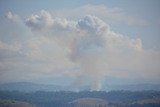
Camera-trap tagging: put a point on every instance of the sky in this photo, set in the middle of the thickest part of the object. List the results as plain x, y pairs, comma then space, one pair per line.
80, 42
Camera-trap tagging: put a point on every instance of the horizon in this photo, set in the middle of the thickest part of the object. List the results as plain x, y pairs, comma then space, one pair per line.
31, 87
80, 43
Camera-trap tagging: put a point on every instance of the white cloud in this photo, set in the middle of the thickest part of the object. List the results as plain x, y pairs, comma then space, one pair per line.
92, 24
56, 45
44, 19
12, 17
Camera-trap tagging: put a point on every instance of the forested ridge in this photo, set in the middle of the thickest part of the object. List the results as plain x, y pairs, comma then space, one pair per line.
63, 98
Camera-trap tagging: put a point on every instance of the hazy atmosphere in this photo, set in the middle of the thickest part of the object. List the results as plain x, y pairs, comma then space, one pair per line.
80, 42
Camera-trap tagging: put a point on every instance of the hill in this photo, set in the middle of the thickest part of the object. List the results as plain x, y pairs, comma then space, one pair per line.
89, 98
12, 103
89, 102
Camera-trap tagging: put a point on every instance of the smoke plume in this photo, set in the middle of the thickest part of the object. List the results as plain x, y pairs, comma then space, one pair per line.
89, 43
89, 51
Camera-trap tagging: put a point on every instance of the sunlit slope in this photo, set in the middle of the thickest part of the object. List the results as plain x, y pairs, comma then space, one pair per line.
9, 103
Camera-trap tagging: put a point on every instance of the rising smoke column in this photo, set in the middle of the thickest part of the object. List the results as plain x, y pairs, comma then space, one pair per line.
89, 51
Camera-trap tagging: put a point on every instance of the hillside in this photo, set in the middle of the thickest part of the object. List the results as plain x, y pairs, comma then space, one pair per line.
89, 102
12, 103
83, 98
147, 101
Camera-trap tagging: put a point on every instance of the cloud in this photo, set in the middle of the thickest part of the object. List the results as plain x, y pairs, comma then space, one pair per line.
53, 46
12, 17
92, 24
111, 15
44, 20
28, 55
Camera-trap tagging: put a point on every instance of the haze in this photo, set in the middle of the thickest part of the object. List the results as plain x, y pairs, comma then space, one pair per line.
80, 43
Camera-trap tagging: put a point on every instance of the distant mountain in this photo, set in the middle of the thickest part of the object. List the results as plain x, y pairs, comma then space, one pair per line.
133, 87
32, 87
29, 87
